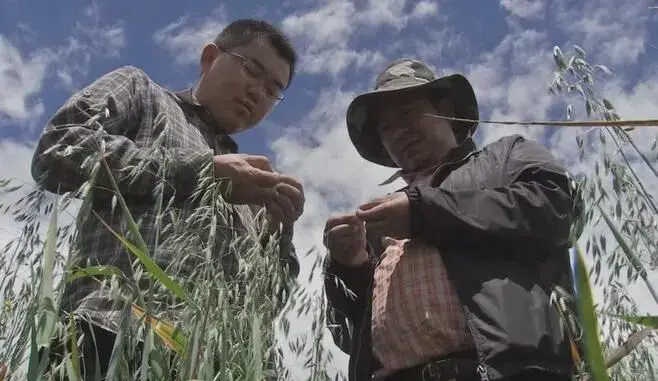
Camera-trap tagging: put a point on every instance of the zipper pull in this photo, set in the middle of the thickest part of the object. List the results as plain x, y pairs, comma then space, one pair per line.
482, 371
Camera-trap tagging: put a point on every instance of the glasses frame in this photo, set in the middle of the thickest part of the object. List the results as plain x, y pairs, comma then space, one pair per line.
261, 77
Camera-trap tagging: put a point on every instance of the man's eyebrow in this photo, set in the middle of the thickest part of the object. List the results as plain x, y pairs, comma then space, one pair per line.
262, 67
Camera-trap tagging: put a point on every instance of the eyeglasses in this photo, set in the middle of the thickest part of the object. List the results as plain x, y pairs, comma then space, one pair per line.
254, 71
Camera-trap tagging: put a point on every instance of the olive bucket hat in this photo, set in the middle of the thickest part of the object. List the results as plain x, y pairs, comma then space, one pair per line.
404, 75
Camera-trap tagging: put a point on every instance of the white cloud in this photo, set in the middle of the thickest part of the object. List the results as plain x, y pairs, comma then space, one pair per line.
328, 25
22, 74
21, 80
511, 84
617, 33
526, 9
424, 9
185, 38
335, 60
326, 33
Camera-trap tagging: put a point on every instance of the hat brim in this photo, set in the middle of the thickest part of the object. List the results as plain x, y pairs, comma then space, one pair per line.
362, 128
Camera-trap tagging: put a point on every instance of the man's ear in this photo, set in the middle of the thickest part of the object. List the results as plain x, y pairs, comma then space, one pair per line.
209, 54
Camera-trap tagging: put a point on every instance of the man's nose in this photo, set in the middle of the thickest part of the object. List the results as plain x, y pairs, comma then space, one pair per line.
255, 93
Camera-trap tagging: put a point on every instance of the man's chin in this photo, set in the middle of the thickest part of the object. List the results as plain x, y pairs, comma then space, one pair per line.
233, 124
238, 126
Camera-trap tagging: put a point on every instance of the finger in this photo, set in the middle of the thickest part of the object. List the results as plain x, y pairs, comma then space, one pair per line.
286, 205
263, 178
295, 195
275, 210
262, 195
349, 219
260, 162
373, 203
292, 182
339, 233
375, 213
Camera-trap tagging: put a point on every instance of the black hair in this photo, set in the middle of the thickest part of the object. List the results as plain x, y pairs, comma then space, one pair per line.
244, 31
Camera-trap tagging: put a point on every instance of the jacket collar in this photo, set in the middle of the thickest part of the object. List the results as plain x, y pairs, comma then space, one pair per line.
187, 97
454, 155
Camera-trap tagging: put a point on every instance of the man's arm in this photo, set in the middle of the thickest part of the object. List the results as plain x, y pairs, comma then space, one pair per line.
346, 289
63, 158
536, 204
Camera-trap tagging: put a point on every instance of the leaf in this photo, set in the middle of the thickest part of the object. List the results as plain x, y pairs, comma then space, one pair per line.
588, 108
559, 57
604, 69
47, 322
46, 313
49, 257
73, 361
608, 105
33, 365
107, 271
150, 265
172, 337
585, 302
580, 51
569, 112
256, 349
647, 321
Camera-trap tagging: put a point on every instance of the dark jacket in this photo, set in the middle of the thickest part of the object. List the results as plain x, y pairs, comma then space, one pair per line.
501, 216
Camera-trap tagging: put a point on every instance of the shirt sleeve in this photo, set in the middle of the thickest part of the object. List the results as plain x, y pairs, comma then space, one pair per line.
98, 122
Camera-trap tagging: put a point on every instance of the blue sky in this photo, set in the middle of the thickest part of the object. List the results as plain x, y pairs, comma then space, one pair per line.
50, 50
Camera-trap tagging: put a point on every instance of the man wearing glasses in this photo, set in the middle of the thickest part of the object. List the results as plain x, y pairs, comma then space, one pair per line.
149, 133
450, 276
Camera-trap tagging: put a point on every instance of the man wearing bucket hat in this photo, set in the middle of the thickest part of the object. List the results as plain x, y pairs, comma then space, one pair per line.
450, 277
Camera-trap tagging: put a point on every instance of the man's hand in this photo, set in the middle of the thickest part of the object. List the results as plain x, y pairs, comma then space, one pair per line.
251, 180
345, 237
287, 205
387, 216
248, 179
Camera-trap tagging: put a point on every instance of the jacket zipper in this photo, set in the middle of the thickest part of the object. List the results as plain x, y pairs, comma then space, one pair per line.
481, 369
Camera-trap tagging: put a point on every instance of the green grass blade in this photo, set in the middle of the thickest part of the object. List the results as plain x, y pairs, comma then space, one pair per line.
47, 317
256, 349
593, 351
106, 271
46, 324
132, 225
150, 265
50, 245
33, 365
647, 321
73, 359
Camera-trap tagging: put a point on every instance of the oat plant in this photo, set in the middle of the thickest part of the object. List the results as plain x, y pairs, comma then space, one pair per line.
620, 224
203, 300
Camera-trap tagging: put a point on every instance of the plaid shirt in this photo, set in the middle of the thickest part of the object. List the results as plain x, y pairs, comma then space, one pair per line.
416, 314
155, 141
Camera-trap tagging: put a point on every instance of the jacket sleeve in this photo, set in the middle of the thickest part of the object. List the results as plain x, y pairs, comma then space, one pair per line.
73, 141
346, 289
288, 254
534, 203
